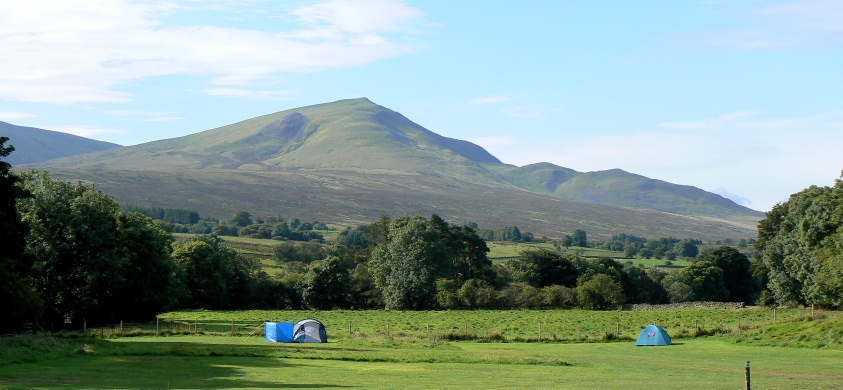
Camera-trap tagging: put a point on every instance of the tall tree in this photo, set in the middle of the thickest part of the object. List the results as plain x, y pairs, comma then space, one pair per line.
737, 276
405, 267
92, 261
799, 243
327, 285
579, 238
19, 302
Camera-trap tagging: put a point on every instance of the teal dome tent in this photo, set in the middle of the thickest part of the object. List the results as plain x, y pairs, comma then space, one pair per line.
653, 335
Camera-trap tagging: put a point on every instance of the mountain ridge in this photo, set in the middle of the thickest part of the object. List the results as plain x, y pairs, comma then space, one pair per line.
363, 141
34, 145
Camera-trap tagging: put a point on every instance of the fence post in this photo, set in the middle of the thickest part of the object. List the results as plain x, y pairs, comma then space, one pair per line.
232, 326
579, 327
618, 330
775, 319
156, 326
195, 326
540, 332
428, 330
121, 326
349, 329
387, 329
747, 376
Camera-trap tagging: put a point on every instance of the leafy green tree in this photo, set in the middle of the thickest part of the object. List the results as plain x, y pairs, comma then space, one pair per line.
579, 238
242, 218
92, 261
407, 265
704, 282
737, 275
686, 248
19, 302
215, 275
599, 292
446, 293
541, 267
327, 285
798, 242
567, 241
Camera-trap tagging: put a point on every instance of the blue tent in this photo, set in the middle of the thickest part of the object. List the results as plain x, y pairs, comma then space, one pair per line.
653, 335
279, 332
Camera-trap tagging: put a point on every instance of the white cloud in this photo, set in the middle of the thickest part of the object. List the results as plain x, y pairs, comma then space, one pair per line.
82, 130
71, 51
248, 93
711, 123
813, 24
14, 115
489, 99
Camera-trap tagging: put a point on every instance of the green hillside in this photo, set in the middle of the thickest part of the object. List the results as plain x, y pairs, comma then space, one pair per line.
348, 161
619, 188
33, 145
348, 135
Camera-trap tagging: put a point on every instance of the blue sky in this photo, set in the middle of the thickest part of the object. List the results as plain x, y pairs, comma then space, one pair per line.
741, 96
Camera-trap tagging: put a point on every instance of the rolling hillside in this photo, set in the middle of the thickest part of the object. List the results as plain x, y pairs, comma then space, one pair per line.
616, 187
33, 145
349, 161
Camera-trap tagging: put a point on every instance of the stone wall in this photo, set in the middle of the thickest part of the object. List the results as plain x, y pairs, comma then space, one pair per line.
686, 305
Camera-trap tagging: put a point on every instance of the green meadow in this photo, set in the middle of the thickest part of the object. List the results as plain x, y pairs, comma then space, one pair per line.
445, 349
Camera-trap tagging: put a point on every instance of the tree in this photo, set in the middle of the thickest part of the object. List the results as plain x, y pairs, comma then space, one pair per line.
798, 242
241, 218
600, 292
215, 275
686, 248
567, 241
406, 266
327, 285
92, 261
541, 267
704, 282
19, 302
579, 238
737, 276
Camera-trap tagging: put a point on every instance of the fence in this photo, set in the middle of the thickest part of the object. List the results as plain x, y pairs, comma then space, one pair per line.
510, 325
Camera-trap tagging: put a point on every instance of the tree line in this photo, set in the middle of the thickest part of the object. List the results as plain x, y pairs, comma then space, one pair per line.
70, 254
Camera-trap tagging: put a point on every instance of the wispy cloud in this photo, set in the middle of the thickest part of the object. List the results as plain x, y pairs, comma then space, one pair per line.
82, 130
489, 99
72, 51
14, 115
711, 123
814, 24
248, 93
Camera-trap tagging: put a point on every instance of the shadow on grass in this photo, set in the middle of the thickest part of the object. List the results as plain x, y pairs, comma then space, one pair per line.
84, 371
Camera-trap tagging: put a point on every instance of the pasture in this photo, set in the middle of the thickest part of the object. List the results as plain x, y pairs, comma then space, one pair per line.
407, 356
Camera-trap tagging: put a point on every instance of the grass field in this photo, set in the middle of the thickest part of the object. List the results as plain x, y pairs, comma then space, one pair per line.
216, 362
499, 252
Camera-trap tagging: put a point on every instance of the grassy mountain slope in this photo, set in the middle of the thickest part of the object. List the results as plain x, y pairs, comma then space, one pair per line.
348, 161
349, 198
619, 188
33, 145
348, 135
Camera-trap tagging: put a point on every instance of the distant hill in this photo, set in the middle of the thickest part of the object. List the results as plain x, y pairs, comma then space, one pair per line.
620, 188
33, 145
349, 161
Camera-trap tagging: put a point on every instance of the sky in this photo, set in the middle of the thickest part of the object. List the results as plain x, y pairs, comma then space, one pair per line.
744, 98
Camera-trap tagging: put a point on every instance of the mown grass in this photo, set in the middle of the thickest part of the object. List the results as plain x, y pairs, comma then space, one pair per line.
247, 362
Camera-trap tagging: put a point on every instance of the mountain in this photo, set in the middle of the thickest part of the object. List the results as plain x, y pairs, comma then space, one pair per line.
33, 145
347, 162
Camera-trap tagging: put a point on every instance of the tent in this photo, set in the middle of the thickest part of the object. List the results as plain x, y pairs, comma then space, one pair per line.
279, 332
309, 331
653, 335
